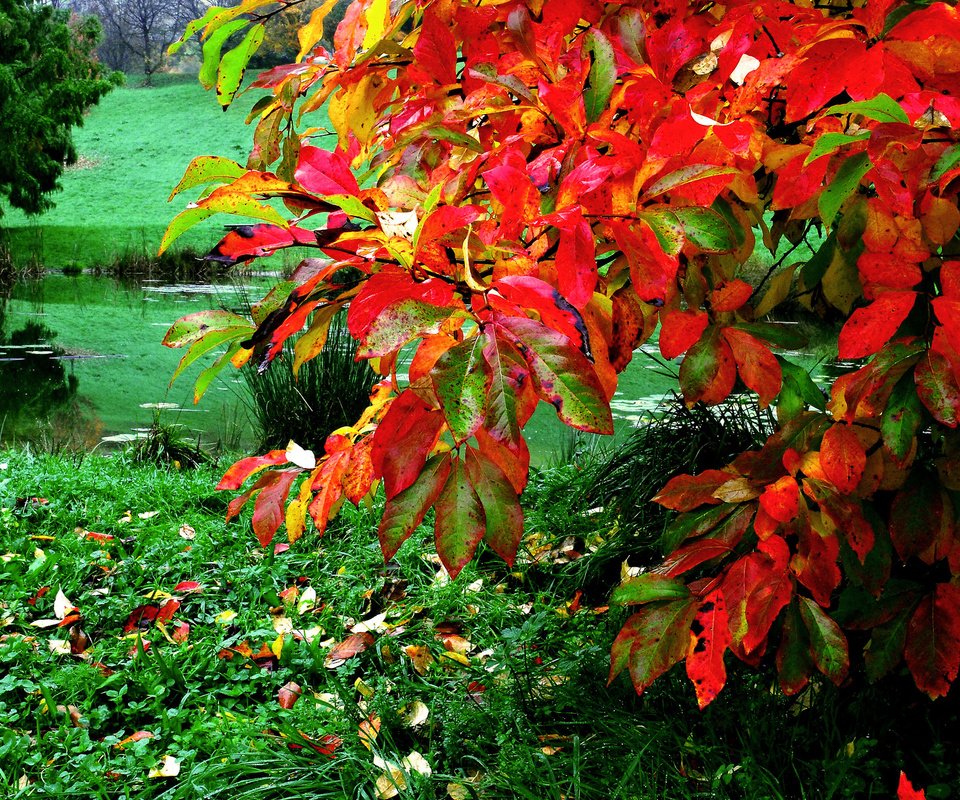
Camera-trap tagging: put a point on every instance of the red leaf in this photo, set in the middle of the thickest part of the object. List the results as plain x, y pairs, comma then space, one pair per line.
842, 457
781, 500
916, 515
730, 295
289, 694
268, 508
687, 492
758, 367
444, 220
526, 293
828, 646
652, 270
757, 587
187, 587
141, 618
386, 288
905, 790
352, 646
235, 476
460, 520
435, 53
693, 555
709, 639
870, 328
501, 506
246, 242
652, 641
815, 562
680, 330
937, 388
405, 510
708, 371
932, 649
403, 440
167, 610
577, 263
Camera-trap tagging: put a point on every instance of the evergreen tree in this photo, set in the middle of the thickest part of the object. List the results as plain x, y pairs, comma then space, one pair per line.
48, 78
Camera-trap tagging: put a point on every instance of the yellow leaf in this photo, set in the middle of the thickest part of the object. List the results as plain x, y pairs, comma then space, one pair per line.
390, 784
360, 686
351, 110
277, 647
378, 15
225, 617
841, 283
460, 658
416, 763
457, 791
414, 714
168, 768
157, 594
777, 291
311, 33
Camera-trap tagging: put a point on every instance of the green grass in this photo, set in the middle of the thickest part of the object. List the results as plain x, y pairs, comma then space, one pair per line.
525, 714
133, 147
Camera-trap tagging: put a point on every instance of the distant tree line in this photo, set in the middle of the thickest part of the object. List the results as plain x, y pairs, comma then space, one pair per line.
137, 33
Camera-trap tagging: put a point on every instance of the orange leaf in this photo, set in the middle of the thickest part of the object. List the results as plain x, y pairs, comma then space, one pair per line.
842, 457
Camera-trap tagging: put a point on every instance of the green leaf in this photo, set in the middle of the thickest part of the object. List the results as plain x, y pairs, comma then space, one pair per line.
814, 270
949, 158
797, 381
399, 323
653, 640
193, 27
828, 645
706, 229
666, 227
209, 342
685, 175
882, 108
501, 506
406, 510
562, 374
831, 142
647, 588
692, 524
350, 205
181, 223
461, 379
460, 520
843, 185
793, 655
901, 418
205, 378
234, 63
885, 648
208, 169
194, 327
603, 74
212, 47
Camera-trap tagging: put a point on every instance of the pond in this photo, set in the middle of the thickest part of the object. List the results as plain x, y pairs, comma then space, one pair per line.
81, 359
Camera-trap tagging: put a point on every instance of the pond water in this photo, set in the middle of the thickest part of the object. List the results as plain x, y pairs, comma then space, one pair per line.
80, 358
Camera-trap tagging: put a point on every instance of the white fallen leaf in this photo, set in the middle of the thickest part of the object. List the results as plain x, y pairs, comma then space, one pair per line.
414, 714
45, 623
307, 600
416, 763
282, 624
390, 784
398, 223
61, 605
187, 531
59, 647
300, 457
373, 625
168, 768
745, 66
147, 514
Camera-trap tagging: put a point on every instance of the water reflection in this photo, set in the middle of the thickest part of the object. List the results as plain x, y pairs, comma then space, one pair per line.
39, 398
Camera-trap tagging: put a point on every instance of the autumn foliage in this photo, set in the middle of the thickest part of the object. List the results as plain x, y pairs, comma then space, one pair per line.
523, 192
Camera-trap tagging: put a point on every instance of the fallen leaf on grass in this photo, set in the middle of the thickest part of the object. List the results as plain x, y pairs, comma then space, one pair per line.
59, 647
187, 532
414, 714
390, 784
188, 587
137, 736
373, 625
225, 617
289, 694
147, 514
353, 645
368, 730
62, 606
168, 768
420, 656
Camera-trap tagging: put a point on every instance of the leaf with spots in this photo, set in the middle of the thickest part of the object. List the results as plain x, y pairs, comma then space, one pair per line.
709, 640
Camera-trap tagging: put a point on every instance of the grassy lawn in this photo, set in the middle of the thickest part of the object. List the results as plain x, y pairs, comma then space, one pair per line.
134, 147
171, 675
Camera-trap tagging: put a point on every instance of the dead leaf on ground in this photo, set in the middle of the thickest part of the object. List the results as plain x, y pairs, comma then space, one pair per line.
420, 656
137, 736
168, 768
353, 645
289, 694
